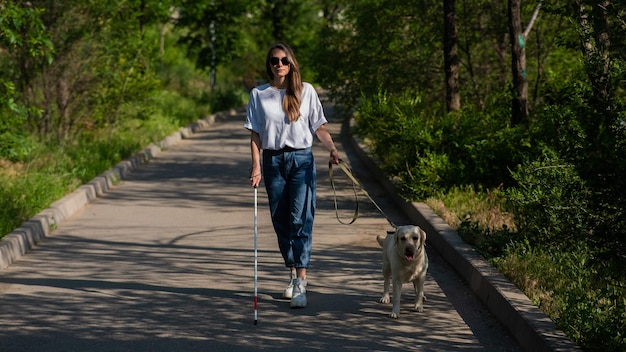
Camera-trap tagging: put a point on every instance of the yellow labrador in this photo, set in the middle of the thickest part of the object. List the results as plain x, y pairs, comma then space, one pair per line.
404, 260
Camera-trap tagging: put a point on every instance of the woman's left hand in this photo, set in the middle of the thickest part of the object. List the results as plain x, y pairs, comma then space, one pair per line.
334, 156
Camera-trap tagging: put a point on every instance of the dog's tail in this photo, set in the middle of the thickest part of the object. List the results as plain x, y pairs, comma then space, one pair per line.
380, 239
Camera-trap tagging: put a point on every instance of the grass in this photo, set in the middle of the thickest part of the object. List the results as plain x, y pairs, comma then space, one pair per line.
460, 205
567, 284
25, 192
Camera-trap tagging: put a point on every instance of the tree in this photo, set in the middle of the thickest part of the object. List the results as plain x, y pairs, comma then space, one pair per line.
101, 60
519, 108
392, 46
595, 45
599, 24
282, 14
25, 47
451, 59
213, 29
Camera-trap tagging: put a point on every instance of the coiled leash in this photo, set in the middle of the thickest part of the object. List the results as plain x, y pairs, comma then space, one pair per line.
355, 185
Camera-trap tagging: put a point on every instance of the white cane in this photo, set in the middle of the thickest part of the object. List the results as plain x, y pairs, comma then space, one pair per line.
256, 299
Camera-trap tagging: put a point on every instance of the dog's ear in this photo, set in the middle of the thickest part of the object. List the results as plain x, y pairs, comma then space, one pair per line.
381, 240
422, 234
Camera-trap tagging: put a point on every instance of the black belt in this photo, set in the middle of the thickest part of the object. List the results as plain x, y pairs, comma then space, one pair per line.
284, 150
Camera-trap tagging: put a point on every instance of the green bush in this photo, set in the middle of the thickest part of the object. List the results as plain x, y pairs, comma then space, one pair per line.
593, 142
402, 139
15, 144
428, 152
550, 201
227, 98
584, 287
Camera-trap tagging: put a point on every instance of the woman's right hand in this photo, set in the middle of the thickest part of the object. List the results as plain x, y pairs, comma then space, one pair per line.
255, 177
255, 169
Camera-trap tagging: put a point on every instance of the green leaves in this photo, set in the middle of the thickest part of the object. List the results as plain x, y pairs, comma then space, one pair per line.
428, 152
21, 29
23, 42
551, 201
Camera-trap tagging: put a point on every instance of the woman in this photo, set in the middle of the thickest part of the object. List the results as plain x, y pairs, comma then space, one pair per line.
282, 116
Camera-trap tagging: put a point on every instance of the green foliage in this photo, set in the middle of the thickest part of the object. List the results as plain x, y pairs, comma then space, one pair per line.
592, 143
108, 102
22, 32
28, 187
224, 99
569, 203
490, 242
14, 144
480, 217
372, 44
551, 201
427, 152
27, 195
391, 123
234, 36
24, 43
567, 280
100, 65
564, 282
55, 171
212, 30
177, 109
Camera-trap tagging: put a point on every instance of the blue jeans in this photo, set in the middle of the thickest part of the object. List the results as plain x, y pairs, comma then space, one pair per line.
290, 184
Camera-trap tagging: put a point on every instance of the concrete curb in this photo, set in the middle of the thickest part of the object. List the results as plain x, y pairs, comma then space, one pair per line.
531, 328
21, 240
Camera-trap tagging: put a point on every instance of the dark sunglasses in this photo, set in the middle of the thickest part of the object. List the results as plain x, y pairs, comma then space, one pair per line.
274, 61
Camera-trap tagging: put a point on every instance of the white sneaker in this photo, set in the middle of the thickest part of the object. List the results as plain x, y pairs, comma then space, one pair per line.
298, 299
288, 292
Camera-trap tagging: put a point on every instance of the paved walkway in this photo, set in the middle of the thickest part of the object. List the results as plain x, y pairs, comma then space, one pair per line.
164, 262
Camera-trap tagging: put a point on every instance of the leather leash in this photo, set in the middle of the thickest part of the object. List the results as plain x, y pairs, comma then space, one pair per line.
355, 184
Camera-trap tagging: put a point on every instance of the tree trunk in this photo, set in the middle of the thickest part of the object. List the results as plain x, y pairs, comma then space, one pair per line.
595, 43
279, 11
518, 65
451, 59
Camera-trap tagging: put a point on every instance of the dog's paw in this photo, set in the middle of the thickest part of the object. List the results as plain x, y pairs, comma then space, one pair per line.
384, 299
419, 304
394, 314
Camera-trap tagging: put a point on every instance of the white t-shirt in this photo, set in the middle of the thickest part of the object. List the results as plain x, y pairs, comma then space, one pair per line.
266, 116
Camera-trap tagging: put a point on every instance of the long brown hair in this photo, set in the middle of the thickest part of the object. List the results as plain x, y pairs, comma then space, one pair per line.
293, 92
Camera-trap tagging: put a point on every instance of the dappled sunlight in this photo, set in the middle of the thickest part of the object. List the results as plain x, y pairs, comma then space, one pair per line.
164, 261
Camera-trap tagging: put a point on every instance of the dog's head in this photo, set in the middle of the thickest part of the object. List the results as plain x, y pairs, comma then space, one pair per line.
410, 241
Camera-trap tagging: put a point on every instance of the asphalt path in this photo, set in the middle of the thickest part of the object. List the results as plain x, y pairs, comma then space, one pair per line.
164, 262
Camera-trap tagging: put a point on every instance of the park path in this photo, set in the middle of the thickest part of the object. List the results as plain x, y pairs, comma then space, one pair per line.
164, 262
